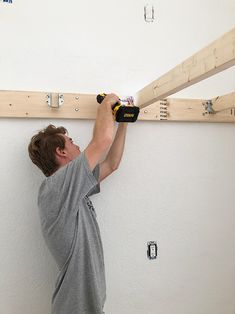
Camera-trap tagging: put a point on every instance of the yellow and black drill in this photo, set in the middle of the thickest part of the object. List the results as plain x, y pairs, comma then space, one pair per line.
124, 110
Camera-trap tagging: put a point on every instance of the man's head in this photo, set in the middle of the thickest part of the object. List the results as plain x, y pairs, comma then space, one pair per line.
51, 149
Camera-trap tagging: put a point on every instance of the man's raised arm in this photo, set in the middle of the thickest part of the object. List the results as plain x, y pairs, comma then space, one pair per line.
115, 153
103, 131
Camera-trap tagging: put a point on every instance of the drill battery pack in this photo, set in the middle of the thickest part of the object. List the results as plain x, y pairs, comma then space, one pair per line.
127, 113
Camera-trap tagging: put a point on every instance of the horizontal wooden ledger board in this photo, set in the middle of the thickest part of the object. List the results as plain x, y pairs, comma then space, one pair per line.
18, 104
192, 110
36, 105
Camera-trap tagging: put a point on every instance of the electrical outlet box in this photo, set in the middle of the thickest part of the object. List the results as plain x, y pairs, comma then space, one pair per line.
152, 250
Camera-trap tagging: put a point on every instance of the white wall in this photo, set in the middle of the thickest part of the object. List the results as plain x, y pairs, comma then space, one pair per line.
176, 182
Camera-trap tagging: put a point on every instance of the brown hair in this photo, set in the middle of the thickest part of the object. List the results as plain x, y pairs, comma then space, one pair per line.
42, 148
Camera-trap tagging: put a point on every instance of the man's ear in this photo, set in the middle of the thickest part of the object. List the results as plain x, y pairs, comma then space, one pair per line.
60, 152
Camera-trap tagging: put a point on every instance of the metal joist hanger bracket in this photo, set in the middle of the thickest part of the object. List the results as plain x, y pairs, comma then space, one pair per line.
208, 107
59, 103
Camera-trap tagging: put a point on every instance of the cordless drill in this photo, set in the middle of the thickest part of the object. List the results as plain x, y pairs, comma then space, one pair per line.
124, 110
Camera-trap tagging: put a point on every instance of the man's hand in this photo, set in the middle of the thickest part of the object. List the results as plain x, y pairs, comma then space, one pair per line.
110, 100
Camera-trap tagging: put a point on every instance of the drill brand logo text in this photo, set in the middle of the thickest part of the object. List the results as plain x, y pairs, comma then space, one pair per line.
128, 115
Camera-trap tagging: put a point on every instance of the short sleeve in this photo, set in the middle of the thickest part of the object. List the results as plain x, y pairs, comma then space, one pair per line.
96, 188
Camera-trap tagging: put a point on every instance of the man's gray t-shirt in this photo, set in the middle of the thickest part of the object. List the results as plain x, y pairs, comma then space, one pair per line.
71, 232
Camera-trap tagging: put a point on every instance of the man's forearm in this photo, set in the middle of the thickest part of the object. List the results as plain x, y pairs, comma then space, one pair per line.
115, 153
104, 125
103, 131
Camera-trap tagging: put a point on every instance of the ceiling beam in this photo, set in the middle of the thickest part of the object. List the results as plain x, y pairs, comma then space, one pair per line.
213, 59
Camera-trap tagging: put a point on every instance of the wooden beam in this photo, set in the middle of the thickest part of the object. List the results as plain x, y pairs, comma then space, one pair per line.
213, 59
16, 104
225, 103
191, 110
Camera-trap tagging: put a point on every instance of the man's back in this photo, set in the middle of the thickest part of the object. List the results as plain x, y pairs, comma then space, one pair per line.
70, 229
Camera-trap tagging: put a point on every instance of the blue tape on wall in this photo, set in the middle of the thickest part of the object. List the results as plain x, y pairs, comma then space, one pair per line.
9, 1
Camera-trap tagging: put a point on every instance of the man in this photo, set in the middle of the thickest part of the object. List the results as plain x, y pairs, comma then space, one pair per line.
68, 218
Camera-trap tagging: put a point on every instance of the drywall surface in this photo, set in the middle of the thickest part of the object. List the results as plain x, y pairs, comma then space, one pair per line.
175, 184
